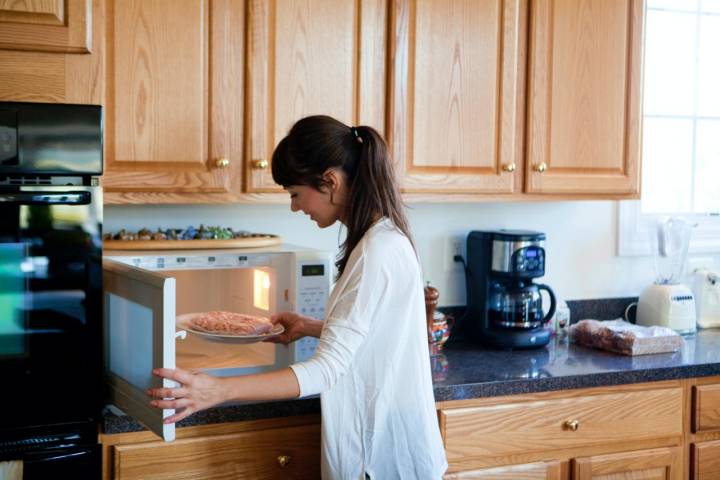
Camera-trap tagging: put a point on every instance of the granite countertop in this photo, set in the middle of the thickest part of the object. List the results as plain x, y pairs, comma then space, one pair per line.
465, 371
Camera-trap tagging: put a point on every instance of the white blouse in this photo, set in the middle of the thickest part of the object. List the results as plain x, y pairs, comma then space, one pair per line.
372, 367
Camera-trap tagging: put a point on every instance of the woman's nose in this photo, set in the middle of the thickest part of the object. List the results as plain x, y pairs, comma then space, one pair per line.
293, 207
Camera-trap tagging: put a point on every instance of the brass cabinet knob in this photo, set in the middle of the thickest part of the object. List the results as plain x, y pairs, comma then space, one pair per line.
509, 167
572, 425
222, 162
284, 460
260, 164
541, 167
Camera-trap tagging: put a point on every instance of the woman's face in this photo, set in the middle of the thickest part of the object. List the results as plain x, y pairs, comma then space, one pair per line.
316, 204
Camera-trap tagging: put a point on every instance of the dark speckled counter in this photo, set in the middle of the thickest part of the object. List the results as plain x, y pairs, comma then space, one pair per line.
464, 372
471, 372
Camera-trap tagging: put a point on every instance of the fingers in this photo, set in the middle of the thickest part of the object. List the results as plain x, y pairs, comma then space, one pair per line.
181, 376
167, 392
284, 318
179, 415
177, 403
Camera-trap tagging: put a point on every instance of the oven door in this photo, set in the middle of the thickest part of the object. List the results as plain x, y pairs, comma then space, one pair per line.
50, 310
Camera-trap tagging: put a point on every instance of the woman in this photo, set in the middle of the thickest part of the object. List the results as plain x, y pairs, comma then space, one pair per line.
371, 365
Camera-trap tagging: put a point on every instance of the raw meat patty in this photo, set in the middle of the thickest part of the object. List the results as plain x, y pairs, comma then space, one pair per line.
229, 323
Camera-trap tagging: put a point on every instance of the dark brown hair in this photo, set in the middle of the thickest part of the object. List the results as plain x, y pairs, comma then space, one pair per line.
318, 143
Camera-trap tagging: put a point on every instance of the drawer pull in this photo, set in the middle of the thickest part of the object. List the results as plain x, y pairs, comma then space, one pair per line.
572, 425
284, 460
222, 162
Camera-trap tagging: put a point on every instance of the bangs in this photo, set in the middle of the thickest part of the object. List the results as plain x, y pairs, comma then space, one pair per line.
283, 172
289, 168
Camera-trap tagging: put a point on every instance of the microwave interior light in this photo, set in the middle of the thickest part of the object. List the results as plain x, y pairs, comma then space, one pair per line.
261, 289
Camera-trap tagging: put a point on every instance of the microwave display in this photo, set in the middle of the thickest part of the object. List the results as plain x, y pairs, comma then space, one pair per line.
313, 270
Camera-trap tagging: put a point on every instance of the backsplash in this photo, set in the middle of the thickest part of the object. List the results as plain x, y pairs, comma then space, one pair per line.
580, 245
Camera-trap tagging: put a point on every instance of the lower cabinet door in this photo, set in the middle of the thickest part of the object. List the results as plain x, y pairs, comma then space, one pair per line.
706, 461
656, 464
529, 471
279, 453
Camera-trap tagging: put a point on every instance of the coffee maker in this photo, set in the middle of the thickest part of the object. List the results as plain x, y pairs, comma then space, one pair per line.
504, 305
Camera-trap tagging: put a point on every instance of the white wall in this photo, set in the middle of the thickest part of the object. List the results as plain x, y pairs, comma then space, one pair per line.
580, 246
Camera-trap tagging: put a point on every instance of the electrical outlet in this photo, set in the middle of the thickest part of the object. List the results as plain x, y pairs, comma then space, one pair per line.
453, 247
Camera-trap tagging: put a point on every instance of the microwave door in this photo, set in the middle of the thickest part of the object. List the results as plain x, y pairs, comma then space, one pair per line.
139, 320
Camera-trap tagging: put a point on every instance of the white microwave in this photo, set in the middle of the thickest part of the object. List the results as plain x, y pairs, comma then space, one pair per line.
144, 293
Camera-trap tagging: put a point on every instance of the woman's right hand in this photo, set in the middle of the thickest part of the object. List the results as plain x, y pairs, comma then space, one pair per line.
294, 327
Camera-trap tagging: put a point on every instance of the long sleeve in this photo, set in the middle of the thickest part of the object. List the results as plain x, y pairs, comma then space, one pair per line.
346, 326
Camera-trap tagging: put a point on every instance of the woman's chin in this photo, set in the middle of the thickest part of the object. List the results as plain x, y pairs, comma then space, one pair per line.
324, 223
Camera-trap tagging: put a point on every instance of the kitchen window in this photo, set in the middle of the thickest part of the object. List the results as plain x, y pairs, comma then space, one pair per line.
681, 125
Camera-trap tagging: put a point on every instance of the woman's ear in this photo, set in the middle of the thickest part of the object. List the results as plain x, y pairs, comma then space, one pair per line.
332, 179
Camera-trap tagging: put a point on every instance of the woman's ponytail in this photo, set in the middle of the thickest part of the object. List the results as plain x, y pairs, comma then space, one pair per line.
374, 193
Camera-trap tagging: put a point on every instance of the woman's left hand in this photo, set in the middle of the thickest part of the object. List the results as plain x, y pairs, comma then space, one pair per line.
197, 391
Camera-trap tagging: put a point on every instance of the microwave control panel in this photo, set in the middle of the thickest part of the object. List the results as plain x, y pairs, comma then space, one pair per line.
312, 294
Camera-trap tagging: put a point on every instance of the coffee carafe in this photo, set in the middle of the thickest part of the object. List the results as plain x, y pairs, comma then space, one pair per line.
505, 307
518, 304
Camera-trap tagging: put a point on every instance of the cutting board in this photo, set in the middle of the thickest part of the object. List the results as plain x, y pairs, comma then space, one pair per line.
245, 242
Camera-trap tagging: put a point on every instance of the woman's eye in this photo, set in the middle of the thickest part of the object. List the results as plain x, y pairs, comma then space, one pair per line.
293, 195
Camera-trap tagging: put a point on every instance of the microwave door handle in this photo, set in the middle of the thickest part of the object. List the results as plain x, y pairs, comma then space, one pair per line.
46, 198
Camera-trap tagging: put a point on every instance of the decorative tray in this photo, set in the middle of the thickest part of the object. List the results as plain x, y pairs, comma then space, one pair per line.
188, 238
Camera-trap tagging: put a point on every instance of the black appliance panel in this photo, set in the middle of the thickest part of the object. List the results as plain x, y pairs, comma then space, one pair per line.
50, 309
50, 139
67, 451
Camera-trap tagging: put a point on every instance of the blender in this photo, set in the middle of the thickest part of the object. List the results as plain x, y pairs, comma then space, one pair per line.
667, 302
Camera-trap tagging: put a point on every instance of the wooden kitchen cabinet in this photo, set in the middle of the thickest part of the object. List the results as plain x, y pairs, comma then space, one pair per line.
265, 449
459, 86
631, 431
52, 51
706, 461
457, 89
310, 57
174, 104
532, 471
584, 97
656, 464
63, 26
200, 92
706, 408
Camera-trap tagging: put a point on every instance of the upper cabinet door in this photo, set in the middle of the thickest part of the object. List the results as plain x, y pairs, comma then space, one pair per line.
310, 57
63, 26
174, 97
458, 95
584, 105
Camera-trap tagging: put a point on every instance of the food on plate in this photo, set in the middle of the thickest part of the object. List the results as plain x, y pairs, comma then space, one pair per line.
230, 323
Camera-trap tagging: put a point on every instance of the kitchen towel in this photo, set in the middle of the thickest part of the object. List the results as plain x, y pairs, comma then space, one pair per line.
12, 470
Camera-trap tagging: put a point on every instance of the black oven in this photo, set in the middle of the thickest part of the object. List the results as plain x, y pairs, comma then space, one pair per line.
50, 288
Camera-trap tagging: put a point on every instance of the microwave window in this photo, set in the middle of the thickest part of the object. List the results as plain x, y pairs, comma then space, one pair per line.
313, 270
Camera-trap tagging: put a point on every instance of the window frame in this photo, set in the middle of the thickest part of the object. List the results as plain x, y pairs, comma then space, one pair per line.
634, 230
634, 226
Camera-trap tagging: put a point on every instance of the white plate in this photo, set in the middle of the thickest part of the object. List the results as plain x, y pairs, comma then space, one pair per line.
183, 322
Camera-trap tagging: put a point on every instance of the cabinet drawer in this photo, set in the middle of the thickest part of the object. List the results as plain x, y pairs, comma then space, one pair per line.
706, 411
706, 461
546, 425
257, 454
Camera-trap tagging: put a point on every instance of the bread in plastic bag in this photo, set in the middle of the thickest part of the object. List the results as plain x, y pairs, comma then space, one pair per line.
626, 338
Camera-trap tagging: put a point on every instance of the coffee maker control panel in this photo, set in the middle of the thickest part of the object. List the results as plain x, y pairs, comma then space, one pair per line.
529, 260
